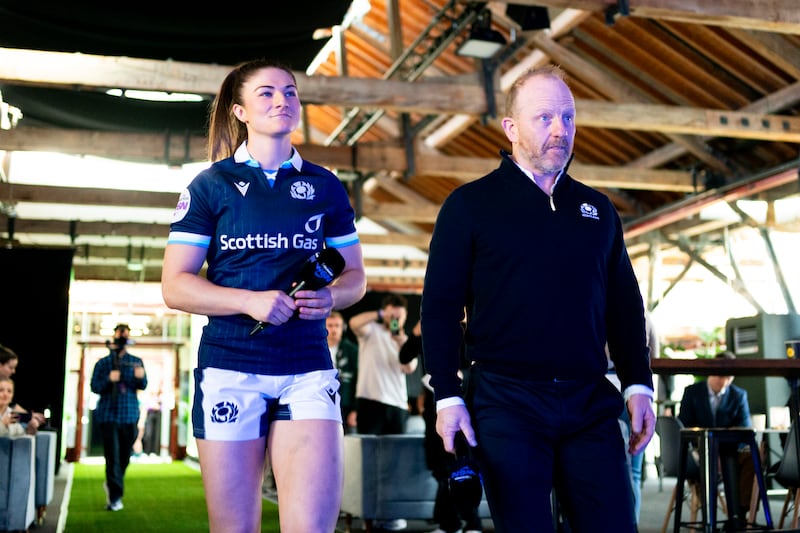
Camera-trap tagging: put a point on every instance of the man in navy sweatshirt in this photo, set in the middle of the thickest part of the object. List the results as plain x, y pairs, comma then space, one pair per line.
538, 262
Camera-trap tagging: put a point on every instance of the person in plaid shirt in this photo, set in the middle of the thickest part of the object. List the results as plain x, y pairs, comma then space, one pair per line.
116, 378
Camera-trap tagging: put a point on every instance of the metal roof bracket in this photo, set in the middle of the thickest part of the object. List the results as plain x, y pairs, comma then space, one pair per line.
408, 144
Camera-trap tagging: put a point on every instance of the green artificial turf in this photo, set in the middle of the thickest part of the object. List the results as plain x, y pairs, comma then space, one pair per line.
158, 497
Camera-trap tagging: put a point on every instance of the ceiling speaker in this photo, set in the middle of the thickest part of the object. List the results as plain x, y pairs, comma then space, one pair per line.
529, 17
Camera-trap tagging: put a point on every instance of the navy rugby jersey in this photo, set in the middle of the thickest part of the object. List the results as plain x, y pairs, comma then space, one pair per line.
257, 237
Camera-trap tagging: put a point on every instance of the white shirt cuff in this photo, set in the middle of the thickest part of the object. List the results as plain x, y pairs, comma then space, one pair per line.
449, 402
638, 389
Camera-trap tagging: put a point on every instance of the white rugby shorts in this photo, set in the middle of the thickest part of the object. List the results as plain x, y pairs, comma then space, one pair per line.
235, 406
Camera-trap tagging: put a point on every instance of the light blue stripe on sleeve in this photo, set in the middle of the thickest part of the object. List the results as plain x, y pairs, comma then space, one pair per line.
341, 242
182, 237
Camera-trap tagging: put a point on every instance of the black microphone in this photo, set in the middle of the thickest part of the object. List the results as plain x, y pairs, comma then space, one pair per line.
318, 271
465, 483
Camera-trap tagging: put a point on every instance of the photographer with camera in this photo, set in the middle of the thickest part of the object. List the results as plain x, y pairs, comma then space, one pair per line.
116, 378
381, 390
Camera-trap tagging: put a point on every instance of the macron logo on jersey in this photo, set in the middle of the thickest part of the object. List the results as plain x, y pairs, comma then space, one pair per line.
242, 186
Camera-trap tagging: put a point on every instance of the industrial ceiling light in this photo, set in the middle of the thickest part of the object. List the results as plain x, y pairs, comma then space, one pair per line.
483, 42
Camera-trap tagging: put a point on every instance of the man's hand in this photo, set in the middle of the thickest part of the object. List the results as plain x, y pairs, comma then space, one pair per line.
450, 421
138, 372
114, 376
643, 422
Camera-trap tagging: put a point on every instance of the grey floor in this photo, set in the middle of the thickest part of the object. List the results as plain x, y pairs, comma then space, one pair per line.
55, 517
655, 501
654, 506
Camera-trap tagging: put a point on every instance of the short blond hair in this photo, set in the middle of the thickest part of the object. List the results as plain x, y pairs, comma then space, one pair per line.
547, 71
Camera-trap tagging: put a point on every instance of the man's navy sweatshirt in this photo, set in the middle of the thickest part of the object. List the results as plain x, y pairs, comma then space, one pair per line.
545, 282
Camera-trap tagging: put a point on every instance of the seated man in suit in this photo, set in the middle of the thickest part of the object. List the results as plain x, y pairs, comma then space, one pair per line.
716, 402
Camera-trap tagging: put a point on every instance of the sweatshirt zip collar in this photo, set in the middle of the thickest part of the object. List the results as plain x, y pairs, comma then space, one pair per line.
530, 175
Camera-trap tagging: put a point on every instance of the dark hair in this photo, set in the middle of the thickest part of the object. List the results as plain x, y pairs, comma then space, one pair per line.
6, 355
225, 131
395, 300
727, 354
121, 326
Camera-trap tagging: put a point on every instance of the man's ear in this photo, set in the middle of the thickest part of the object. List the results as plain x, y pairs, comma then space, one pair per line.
510, 129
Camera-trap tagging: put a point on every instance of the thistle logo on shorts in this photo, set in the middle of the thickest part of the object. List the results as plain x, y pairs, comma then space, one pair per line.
589, 211
302, 190
225, 413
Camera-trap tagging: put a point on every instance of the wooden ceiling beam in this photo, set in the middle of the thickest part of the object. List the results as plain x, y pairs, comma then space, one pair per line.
467, 168
470, 168
99, 228
152, 273
781, 99
20, 192
108, 254
86, 71
780, 16
368, 158
439, 96
685, 120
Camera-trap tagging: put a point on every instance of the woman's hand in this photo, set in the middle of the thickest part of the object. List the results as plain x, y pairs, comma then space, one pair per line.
274, 307
314, 305
32, 427
8, 419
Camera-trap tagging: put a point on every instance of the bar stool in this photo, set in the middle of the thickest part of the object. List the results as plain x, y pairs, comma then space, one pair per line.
707, 441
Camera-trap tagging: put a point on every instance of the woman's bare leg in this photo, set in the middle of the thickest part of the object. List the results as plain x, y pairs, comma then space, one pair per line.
307, 461
232, 473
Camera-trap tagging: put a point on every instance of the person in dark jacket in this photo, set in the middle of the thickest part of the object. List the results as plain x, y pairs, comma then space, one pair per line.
344, 355
538, 261
717, 403
116, 378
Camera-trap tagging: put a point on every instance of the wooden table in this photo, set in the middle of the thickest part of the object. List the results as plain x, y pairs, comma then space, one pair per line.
727, 367
783, 367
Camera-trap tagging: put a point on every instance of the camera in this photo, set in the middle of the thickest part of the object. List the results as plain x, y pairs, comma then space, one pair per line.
394, 326
117, 343
23, 417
